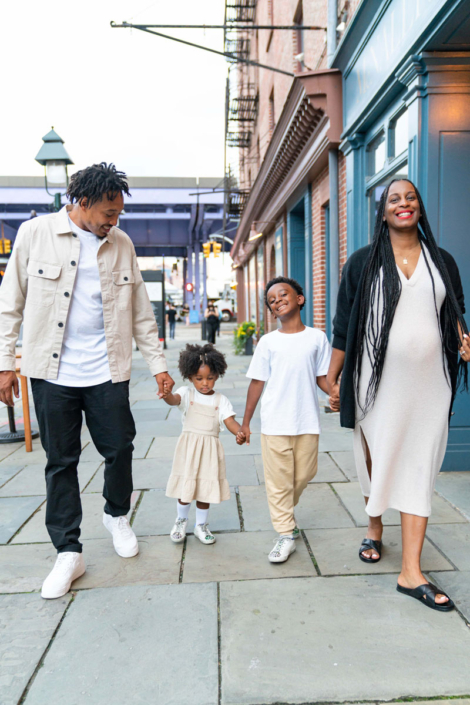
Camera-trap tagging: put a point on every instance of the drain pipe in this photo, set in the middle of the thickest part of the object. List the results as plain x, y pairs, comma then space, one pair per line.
333, 235
331, 30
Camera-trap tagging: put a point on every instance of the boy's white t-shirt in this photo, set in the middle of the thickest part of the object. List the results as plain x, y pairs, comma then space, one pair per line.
290, 364
225, 408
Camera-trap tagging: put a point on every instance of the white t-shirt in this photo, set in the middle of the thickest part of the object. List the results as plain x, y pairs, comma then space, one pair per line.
290, 364
225, 408
84, 355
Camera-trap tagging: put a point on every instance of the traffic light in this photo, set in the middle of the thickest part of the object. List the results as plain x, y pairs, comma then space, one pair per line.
217, 247
5, 247
189, 287
206, 249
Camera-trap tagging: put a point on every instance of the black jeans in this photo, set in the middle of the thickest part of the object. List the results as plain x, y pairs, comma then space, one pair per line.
111, 424
211, 330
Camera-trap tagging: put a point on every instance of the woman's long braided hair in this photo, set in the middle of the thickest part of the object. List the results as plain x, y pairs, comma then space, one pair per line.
380, 293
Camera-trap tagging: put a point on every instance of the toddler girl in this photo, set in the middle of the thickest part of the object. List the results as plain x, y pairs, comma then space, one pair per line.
198, 471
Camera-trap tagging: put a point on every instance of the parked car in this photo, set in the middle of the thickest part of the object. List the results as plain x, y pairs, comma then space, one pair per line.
227, 308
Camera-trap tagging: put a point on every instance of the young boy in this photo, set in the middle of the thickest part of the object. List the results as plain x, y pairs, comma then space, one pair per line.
292, 360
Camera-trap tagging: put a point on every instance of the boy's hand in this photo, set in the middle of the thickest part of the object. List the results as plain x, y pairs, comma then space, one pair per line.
241, 438
245, 431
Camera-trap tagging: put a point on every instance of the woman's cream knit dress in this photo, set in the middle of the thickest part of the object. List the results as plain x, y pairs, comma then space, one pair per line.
406, 429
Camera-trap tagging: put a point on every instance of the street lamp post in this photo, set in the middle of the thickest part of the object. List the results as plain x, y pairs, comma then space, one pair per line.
54, 158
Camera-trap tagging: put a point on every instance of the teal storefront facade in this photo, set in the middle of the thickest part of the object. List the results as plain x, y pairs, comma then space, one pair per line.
406, 112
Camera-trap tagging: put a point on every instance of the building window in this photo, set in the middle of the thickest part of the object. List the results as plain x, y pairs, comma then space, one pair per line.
271, 113
376, 155
399, 135
299, 39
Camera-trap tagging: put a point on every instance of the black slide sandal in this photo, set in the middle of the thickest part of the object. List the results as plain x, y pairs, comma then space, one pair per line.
427, 595
368, 544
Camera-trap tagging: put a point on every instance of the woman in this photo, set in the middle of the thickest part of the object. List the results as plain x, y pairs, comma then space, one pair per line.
212, 323
397, 332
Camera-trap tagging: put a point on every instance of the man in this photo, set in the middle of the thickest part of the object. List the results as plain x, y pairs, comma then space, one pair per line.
74, 281
171, 320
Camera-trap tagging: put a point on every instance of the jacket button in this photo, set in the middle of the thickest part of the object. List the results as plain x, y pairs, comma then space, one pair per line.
40, 271
66, 293
55, 355
126, 279
61, 325
73, 263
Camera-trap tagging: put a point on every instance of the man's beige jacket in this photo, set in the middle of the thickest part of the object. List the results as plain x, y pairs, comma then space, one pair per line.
37, 290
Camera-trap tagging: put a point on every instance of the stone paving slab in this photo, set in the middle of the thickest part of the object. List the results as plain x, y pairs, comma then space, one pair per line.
336, 552
352, 497
241, 470
231, 447
163, 448
242, 556
21, 456
147, 474
334, 441
156, 414
457, 585
31, 480
14, 512
318, 508
157, 563
159, 429
24, 568
9, 471
91, 527
156, 515
8, 449
273, 651
27, 624
454, 541
455, 487
124, 649
345, 460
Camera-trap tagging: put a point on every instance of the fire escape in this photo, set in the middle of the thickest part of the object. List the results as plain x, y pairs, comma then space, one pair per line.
241, 108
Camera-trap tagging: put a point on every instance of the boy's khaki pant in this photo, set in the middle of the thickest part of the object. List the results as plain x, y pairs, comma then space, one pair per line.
290, 462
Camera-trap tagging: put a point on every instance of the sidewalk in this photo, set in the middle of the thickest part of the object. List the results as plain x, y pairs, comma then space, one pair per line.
208, 625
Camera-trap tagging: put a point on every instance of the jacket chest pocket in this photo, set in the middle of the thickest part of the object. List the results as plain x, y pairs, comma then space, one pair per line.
123, 282
43, 280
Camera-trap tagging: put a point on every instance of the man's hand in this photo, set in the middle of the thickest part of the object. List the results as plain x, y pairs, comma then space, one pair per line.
8, 381
245, 433
165, 384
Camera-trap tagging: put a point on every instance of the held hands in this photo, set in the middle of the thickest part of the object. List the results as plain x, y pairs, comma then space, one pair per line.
465, 348
243, 435
334, 397
165, 385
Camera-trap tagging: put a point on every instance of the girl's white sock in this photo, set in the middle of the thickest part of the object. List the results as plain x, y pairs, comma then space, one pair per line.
182, 510
201, 516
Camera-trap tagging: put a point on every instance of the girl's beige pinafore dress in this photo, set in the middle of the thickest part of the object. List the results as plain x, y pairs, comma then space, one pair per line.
198, 471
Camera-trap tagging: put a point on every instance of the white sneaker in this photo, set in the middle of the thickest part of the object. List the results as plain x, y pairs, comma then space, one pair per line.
68, 567
178, 532
202, 532
284, 546
124, 539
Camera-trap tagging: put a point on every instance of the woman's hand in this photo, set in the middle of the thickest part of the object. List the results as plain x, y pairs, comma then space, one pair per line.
465, 349
334, 396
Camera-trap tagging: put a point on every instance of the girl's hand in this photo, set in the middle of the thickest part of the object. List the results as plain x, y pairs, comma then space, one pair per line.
465, 349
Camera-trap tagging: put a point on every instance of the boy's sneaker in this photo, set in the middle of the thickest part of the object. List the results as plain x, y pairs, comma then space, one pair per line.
68, 567
284, 546
124, 539
178, 532
296, 532
202, 532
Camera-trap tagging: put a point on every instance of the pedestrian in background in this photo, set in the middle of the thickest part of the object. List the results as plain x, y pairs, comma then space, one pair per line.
171, 320
73, 280
292, 361
211, 315
198, 471
398, 330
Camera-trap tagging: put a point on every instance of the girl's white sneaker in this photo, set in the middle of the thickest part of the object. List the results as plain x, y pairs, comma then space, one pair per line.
178, 532
202, 532
283, 547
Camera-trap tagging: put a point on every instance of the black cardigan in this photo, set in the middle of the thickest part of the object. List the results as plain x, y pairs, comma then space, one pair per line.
346, 321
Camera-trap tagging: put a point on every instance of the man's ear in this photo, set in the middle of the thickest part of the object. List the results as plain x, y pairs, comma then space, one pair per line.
83, 203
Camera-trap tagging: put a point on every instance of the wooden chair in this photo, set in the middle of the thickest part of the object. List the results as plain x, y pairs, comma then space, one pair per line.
25, 402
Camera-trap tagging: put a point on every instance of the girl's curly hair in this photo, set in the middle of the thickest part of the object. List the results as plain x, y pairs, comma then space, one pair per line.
195, 356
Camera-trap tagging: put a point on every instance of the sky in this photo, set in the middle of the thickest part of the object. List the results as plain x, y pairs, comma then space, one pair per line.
151, 106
